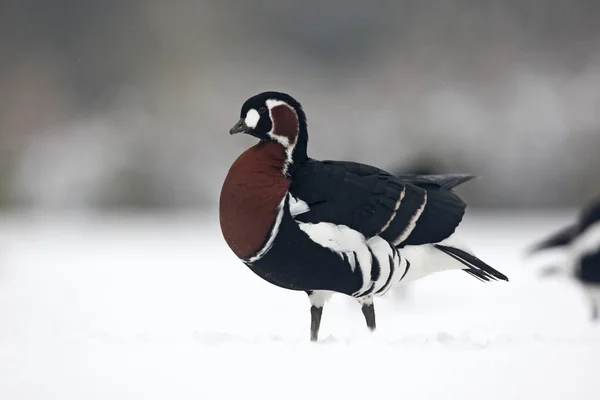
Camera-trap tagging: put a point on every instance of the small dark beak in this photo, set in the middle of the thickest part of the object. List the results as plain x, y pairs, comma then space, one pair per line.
240, 127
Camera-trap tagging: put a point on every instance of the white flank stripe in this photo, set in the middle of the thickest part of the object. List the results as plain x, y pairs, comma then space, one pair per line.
298, 206
343, 241
387, 224
352, 260
274, 232
347, 242
401, 273
382, 251
398, 272
412, 223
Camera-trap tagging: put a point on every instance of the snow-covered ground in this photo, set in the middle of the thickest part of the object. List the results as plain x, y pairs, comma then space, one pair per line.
124, 307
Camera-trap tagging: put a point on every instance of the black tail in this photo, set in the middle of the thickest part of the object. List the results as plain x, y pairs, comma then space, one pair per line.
447, 181
477, 267
560, 238
450, 181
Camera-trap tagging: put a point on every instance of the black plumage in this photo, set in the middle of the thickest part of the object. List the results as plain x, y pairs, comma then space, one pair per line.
588, 217
326, 227
581, 240
372, 201
307, 267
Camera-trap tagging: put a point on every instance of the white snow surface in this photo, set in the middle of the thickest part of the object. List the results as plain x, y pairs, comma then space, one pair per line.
157, 307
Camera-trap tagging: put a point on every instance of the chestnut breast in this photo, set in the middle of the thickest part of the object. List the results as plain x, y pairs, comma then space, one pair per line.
250, 196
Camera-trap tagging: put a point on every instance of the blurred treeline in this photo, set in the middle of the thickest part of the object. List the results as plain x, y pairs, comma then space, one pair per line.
112, 103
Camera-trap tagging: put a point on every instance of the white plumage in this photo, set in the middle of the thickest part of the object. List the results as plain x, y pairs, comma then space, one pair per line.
298, 206
427, 259
343, 241
252, 118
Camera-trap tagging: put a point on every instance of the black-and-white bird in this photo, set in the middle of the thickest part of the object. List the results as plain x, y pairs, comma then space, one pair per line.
580, 242
328, 227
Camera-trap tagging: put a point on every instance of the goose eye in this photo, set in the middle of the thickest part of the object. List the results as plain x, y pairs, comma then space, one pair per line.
262, 110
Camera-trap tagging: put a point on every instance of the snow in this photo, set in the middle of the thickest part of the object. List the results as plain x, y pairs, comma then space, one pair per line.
157, 307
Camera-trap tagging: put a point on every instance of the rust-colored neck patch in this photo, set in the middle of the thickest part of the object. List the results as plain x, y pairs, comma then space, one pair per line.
251, 194
285, 123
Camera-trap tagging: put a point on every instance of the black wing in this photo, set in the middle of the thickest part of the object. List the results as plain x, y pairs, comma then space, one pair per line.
589, 215
560, 238
405, 210
447, 181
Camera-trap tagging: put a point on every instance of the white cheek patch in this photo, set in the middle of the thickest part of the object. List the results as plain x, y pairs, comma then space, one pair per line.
252, 118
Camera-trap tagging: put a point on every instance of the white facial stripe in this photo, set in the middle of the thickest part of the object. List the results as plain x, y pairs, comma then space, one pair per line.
284, 141
252, 118
271, 103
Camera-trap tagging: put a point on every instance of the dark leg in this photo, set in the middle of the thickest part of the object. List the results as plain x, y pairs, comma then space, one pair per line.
315, 322
368, 310
317, 302
592, 293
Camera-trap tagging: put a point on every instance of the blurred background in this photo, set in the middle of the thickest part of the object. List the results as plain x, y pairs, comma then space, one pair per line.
127, 105
117, 113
